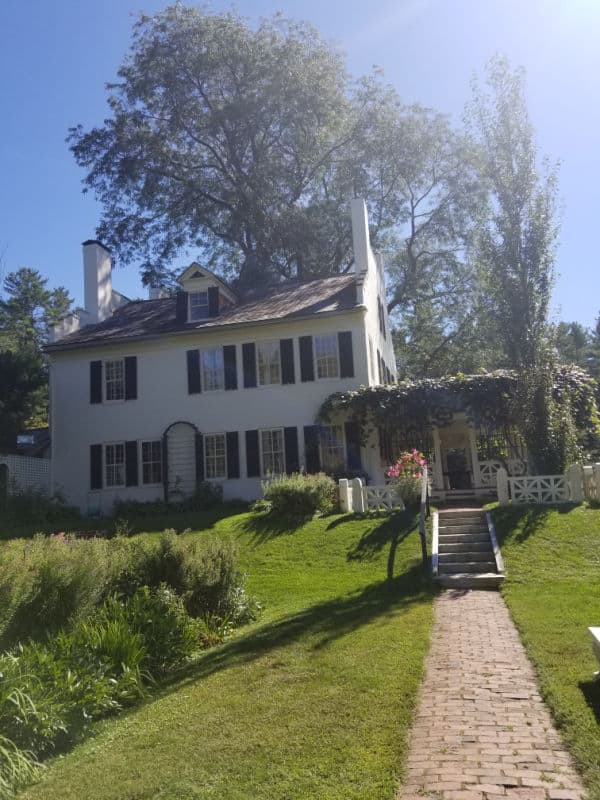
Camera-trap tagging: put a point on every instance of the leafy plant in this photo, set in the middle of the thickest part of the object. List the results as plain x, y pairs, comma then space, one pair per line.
17, 768
406, 474
301, 495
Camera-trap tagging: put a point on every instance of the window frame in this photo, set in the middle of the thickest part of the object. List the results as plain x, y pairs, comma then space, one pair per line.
261, 448
223, 436
341, 466
106, 465
257, 346
203, 382
151, 462
335, 338
191, 306
105, 380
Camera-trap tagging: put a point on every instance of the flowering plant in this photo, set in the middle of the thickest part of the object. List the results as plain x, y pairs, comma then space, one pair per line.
406, 474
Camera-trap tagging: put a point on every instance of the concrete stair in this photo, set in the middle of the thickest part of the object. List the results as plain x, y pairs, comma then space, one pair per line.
466, 557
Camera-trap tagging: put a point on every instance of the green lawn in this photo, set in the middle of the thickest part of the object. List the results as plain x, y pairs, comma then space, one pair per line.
553, 591
314, 700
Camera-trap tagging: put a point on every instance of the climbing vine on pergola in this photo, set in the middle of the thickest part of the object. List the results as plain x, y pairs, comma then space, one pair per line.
490, 401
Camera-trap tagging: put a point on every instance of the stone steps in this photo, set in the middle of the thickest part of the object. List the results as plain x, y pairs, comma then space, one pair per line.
465, 553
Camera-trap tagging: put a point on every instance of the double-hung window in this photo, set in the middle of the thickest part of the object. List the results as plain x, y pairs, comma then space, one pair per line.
152, 462
269, 363
272, 452
114, 465
213, 371
215, 455
327, 356
333, 456
114, 379
198, 305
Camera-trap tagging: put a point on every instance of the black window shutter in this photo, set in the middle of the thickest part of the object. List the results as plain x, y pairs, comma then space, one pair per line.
95, 381
311, 448
213, 301
383, 320
292, 459
199, 458
193, 371
181, 307
346, 355
380, 366
252, 454
286, 354
307, 367
233, 454
352, 430
95, 466
249, 364
230, 362
131, 378
131, 464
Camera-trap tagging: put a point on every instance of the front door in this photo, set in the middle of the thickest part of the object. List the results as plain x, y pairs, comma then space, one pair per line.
458, 470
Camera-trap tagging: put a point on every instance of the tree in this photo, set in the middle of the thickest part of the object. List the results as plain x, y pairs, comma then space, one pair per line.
572, 343
25, 315
515, 244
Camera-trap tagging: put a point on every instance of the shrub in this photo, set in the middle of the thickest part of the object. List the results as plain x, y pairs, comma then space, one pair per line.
35, 505
300, 495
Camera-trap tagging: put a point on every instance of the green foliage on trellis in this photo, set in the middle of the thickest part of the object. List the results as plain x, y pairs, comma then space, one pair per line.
555, 413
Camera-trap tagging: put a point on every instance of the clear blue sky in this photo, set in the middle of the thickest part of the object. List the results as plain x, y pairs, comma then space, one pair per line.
56, 56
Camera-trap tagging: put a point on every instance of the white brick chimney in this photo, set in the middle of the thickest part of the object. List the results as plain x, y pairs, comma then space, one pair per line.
361, 242
97, 281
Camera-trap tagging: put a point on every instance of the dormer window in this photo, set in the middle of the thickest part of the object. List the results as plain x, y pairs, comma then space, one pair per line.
198, 306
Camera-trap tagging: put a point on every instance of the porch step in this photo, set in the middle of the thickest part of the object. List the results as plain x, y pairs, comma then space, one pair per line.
465, 527
456, 538
454, 558
490, 580
464, 547
459, 567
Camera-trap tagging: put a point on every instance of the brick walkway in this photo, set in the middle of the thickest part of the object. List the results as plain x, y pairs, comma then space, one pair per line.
482, 730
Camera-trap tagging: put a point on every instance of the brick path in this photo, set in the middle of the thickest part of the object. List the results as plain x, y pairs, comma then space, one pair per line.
482, 730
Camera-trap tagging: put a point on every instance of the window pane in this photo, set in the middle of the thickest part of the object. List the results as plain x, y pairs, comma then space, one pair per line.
215, 457
326, 356
114, 377
269, 365
198, 305
114, 460
272, 451
152, 462
332, 448
212, 369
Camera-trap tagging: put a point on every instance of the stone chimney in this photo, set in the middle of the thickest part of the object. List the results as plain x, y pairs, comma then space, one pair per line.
97, 280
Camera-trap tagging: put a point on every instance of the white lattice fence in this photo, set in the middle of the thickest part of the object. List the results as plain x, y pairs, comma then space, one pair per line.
539, 489
25, 472
382, 498
488, 471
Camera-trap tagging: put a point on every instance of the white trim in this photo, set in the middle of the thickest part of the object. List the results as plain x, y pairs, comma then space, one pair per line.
218, 348
495, 548
263, 472
140, 454
105, 465
105, 398
435, 523
335, 336
256, 346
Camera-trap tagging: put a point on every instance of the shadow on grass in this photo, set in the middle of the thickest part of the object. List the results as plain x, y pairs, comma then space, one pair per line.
266, 525
591, 692
326, 622
391, 530
526, 520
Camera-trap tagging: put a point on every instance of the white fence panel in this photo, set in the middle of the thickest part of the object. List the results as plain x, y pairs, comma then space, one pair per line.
488, 471
539, 489
26, 472
382, 498
591, 483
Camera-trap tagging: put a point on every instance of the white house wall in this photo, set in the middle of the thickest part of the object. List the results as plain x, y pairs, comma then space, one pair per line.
162, 399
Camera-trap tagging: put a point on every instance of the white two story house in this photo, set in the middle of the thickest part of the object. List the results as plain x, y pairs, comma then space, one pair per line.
149, 398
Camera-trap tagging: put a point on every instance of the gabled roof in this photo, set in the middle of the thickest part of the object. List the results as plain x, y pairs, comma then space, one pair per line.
150, 319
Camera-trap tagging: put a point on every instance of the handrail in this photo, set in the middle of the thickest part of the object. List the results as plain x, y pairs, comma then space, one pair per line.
423, 514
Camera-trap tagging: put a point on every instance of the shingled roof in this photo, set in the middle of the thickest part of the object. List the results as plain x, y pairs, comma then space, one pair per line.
149, 319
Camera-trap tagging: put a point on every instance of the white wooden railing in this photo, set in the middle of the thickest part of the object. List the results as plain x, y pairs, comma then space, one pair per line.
382, 498
591, 483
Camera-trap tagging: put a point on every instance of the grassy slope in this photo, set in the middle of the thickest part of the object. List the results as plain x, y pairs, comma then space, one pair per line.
553, 591
313, 701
